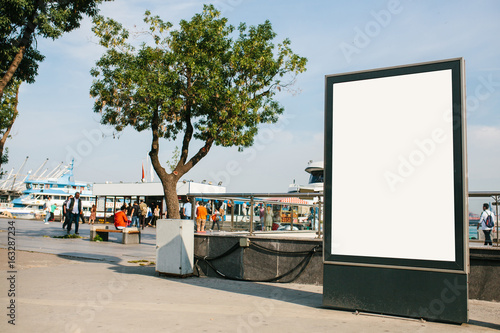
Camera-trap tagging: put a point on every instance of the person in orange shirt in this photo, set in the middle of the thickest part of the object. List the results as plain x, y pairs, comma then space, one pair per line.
121, 220
201, 218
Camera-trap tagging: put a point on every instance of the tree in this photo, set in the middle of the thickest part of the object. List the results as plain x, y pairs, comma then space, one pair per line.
8, 114
202, 81
23, 21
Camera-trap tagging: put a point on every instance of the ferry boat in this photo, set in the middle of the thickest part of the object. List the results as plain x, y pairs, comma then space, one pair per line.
30, 204
316, 179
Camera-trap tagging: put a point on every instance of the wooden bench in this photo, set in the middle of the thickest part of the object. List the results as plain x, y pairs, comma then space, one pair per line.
130, 235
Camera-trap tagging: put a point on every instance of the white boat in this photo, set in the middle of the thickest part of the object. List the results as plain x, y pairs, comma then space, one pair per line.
316, 179
30, 204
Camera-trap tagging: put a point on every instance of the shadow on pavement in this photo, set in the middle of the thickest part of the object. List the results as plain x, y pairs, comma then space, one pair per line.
132, 268
278, 292
484, 324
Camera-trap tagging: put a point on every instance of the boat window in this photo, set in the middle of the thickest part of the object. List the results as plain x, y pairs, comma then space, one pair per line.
316, 177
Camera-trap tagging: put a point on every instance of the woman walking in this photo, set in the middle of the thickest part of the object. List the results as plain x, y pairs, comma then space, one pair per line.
93, 211
156, 216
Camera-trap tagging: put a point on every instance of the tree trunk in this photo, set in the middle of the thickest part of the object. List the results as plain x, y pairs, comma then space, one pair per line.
170, 191
169, 181
24, 42
12, 69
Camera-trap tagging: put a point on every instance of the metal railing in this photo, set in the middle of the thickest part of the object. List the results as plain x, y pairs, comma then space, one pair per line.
235, 218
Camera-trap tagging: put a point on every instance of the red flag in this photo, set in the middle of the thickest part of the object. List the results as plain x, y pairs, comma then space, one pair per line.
142, 172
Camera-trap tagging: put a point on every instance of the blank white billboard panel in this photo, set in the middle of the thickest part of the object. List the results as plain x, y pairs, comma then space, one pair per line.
392, 167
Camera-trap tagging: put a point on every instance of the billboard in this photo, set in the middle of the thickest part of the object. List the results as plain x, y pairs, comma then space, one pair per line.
395, 169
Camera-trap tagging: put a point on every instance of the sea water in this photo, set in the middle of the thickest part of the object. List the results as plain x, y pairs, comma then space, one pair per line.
473, 232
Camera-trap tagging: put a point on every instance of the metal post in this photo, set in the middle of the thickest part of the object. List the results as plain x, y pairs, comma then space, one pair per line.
496, 210
193, 203
320, 222
251, 217
291, 217
232, 214
105, 202
114, 205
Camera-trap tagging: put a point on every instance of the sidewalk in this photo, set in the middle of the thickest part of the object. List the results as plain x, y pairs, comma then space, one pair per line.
82, 286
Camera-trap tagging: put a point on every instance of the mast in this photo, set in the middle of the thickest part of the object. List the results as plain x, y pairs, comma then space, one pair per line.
34, 175
40, 176
14, 181
19, 185
6, 180
54, 171
61, 171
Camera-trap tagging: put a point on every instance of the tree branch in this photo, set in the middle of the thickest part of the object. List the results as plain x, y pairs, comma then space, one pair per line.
196, 158
188, 135
155, 146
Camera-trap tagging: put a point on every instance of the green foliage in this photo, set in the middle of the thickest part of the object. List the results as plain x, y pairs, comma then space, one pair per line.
172, 163
68, 236
97, 238
8, 106
4, 159
21, 22
8, 114
207, 75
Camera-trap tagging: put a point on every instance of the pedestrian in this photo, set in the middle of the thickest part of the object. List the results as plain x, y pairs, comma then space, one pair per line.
215, 219
53, 208
67, 217
156, 216
121, 219
135, 214
208, 206
144, 212
75, 211
222, 213
201, 218
482, 224
262, 213
130, 207
93, 211
268, 219
46, 208
149, 216
182, 213
245, 210
188, 207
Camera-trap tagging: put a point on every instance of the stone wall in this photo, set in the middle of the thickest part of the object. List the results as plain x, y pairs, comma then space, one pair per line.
270, 258
484, 278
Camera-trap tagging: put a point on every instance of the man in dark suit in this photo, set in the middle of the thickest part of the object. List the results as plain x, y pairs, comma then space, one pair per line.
75, 211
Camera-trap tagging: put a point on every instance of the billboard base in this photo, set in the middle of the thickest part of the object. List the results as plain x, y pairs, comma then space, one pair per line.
431, 295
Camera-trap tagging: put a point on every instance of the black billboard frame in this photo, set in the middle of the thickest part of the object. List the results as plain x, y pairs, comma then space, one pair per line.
396, 276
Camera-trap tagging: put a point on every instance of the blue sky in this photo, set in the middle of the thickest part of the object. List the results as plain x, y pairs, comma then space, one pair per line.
56, 119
